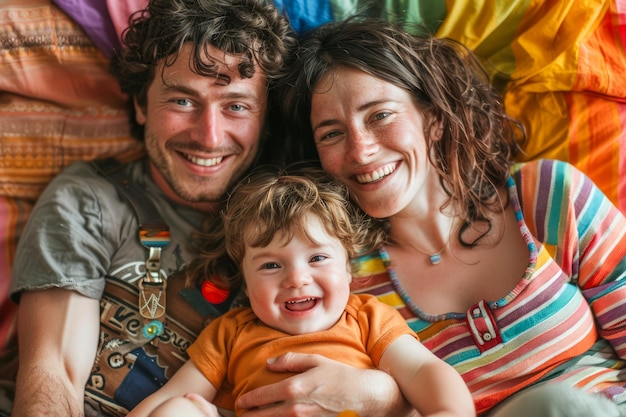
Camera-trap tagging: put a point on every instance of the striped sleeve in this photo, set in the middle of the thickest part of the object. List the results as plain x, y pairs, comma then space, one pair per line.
586, 235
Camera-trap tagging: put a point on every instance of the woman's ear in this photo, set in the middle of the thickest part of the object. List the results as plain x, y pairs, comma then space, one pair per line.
437, 131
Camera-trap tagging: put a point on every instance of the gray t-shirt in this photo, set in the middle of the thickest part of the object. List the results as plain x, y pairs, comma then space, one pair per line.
81, 231
83, 235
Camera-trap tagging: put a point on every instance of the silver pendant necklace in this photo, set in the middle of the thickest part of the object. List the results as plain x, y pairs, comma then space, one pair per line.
435, 258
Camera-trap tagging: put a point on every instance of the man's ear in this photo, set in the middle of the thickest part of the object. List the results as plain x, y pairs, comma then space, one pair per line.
140, 114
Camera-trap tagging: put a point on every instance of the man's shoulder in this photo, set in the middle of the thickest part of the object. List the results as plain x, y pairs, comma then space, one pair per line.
83, 175
95, 169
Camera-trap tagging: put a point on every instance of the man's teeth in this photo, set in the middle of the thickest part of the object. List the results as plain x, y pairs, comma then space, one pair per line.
204, 162
375, 175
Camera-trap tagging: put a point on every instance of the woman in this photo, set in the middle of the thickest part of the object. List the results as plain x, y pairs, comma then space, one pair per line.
512, 273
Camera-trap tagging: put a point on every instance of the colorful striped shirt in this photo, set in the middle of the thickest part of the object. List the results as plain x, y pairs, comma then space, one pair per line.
565, 320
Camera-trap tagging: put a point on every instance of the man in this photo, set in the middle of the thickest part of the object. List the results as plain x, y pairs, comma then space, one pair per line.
104, 320
198, 73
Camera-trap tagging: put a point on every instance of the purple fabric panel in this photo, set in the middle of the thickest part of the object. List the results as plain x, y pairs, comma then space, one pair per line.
93, 17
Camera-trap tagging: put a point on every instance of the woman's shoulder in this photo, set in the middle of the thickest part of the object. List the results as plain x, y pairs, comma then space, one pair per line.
546, 173
542, 165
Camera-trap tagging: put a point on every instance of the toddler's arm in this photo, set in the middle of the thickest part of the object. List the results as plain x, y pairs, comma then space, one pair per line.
432, 386
169, 399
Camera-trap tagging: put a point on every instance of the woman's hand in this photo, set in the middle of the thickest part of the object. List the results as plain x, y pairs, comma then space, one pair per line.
324, 387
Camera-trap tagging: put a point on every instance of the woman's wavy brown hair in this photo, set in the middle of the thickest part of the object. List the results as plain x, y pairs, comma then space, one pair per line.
449, 86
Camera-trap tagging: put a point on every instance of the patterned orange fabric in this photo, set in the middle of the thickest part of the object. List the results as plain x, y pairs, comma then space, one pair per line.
58, 103
13, 215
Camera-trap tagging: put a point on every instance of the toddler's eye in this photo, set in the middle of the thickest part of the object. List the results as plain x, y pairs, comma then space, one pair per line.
270, 265
318, 258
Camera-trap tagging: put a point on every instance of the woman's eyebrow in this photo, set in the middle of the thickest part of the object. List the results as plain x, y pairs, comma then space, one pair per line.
363, 107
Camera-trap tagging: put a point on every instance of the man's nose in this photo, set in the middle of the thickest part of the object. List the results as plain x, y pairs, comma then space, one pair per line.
209, 128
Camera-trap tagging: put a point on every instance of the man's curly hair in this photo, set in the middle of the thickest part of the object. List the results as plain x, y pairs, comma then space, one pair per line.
253, 30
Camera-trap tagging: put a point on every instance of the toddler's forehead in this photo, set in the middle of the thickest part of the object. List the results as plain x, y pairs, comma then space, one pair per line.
308, 227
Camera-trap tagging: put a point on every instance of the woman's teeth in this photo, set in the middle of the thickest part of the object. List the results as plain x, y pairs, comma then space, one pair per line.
375, 175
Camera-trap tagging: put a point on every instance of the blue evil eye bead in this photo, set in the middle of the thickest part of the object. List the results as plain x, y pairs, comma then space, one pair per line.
153, 329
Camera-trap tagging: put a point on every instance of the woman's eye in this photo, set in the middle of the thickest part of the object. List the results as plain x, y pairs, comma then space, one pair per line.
329, 135
381, 115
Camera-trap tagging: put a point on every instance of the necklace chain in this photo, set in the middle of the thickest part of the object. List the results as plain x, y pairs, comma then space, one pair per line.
435, 257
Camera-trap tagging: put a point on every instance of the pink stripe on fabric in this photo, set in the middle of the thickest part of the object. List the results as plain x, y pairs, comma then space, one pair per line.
13, 215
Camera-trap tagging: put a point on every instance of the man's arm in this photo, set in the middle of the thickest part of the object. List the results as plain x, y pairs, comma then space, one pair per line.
58, 334
325, 387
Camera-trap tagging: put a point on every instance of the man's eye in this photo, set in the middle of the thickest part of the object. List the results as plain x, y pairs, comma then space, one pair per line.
183, 102
237, 107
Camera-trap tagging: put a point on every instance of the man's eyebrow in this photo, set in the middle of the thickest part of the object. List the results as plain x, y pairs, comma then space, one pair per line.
179, 88
239, 93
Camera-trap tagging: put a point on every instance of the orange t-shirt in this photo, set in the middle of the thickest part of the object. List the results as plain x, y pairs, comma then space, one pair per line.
232, 351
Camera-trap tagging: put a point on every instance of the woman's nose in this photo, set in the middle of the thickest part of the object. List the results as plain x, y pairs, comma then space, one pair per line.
361, 145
